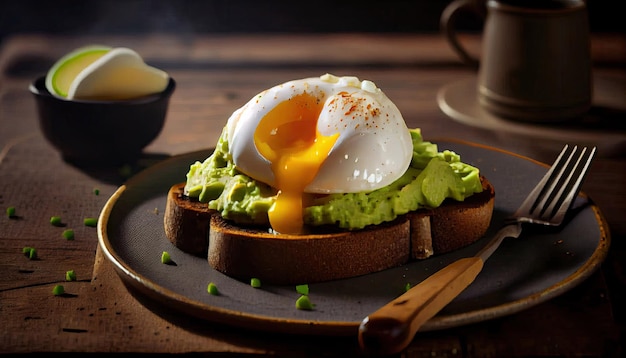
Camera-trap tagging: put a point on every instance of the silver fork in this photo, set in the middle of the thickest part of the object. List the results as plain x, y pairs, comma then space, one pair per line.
392, 327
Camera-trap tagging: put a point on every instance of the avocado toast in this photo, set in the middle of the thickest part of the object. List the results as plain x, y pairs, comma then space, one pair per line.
439, 205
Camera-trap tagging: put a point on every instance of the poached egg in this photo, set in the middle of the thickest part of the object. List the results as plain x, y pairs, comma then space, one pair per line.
318, 135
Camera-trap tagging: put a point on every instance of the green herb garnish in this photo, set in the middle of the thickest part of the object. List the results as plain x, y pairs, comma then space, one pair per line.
30, 252
302, 289
255, 282
304, 303
55, 220
212, 289
166, 258
68, 234
70, 275
11, 211
93, 222
58, 290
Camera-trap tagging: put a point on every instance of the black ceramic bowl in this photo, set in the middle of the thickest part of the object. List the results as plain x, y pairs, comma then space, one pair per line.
100, 132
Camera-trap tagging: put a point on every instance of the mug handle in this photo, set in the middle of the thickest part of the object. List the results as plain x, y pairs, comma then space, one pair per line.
448, 26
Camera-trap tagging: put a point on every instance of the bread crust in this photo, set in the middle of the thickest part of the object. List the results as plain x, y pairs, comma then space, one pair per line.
289, 259
246, 252
186, 222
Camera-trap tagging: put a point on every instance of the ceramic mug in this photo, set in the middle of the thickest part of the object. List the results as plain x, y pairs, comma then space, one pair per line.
535, 63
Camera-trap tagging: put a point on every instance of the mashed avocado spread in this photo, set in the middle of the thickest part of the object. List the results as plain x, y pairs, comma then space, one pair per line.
432, 177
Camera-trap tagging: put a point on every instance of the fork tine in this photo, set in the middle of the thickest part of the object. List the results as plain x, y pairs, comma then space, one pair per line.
557, 213
548, 202
549, 195
532, 200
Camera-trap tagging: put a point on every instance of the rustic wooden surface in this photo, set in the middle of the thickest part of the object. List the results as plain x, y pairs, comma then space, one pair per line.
216, 75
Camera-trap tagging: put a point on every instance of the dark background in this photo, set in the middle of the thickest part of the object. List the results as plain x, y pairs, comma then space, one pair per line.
188, 17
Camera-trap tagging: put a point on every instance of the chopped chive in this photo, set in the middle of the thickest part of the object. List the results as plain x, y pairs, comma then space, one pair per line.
68, 234
96, 191
30, 252
166, 258
70, 275
58, 290
212, 289
304, 303
11, 211
93, 222
55, 220
302, 289
407, 286
255, 282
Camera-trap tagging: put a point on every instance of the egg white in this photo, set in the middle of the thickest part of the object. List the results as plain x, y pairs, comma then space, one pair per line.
374, 147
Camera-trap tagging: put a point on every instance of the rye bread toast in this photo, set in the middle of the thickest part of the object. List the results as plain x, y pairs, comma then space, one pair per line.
244, 252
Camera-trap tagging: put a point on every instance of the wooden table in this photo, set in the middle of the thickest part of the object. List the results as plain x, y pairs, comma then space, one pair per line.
216, 75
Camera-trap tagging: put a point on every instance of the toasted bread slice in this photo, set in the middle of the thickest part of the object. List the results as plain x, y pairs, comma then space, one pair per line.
246, 252
187, 222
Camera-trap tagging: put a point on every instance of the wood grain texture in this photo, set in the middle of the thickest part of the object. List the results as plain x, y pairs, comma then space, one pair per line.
216, 75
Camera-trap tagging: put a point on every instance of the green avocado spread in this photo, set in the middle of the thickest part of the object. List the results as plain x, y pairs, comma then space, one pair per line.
431, 178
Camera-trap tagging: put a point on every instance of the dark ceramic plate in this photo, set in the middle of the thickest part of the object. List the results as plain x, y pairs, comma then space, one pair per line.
524, 272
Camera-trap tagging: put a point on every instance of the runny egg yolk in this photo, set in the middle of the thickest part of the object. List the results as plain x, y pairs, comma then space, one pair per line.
287, 136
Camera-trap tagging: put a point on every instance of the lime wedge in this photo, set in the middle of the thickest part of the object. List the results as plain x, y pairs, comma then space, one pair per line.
119, 74
61, 75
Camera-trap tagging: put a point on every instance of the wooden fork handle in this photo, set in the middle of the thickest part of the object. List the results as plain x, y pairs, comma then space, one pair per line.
392, 327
